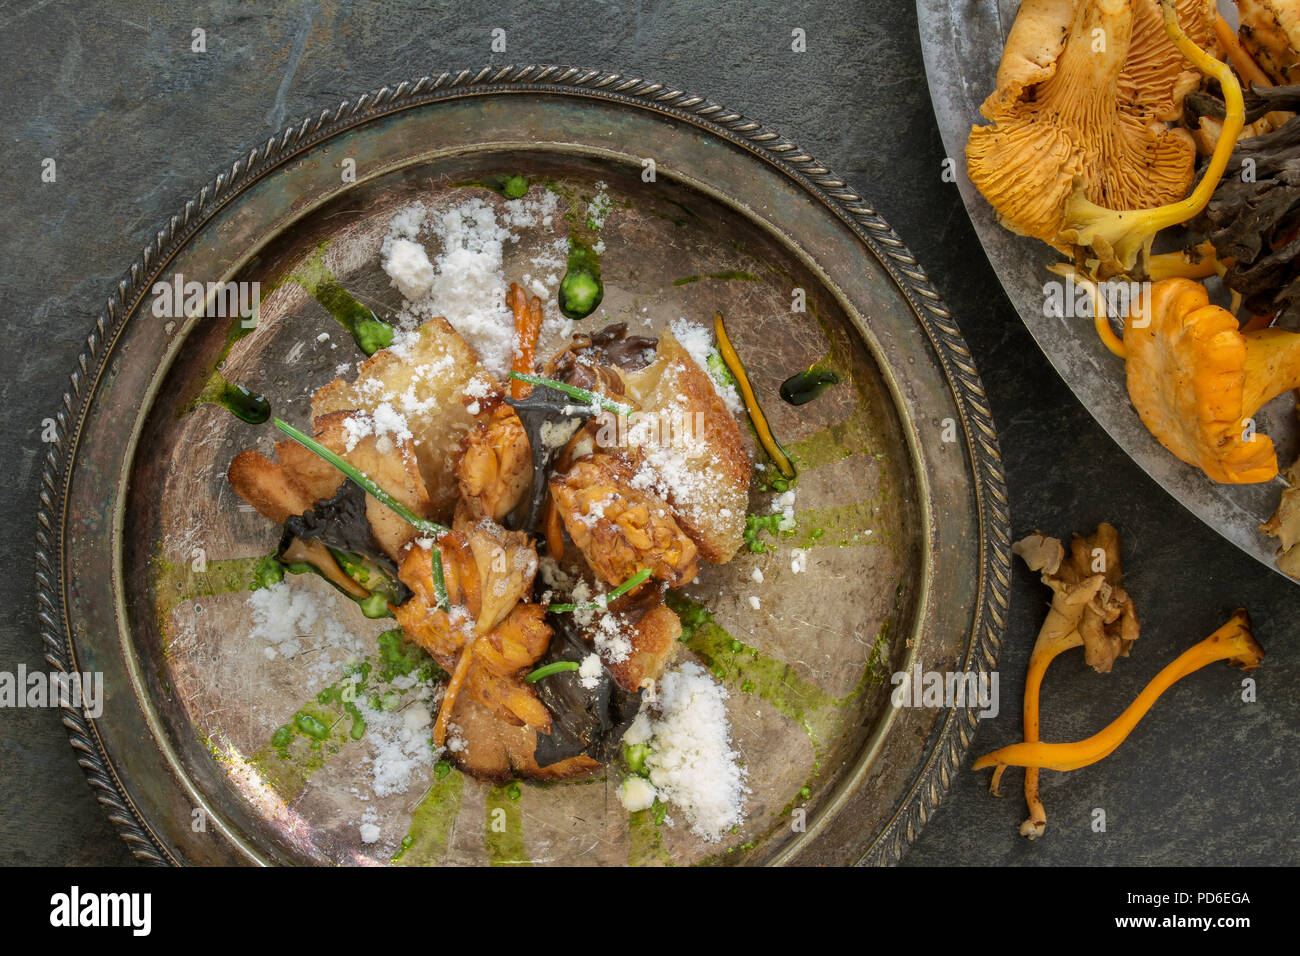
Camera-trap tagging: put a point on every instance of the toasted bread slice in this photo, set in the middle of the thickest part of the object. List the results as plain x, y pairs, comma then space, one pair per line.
694, 448
424, 380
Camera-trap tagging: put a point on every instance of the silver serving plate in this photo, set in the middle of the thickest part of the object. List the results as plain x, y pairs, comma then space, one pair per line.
179, 757
962, 42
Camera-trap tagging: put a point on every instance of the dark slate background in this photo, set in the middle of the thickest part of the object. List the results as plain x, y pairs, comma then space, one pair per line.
137, 123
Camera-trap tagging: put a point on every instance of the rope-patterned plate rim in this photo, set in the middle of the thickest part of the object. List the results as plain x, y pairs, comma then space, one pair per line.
989, 620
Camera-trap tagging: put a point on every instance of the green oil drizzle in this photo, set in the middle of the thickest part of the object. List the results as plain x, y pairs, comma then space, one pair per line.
239, 401
581, 289
317, 730
831, 444
645, 844
366, 329
302, 745
735, 275
433, 821
843, 525
739, 665
756, 524
506, 185
217, 390
802, 387
176, 582
503, 829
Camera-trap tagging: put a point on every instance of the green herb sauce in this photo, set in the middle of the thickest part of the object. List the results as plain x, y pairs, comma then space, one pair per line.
503, 829
236, 399
434, 820
506, 185
802, 387
737, 664
645, 845
581, 289
362, 324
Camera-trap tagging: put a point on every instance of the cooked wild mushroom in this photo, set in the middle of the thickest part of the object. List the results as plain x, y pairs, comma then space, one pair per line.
506, 564
1085, 92
620, 528
495, 469
1196, 381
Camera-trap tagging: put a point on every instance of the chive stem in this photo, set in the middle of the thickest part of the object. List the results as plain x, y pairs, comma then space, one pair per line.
603, 599
368, 485
555, 667
573, 391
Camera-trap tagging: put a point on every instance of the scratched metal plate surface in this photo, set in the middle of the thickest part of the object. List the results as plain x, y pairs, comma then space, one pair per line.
962, 43
911, 561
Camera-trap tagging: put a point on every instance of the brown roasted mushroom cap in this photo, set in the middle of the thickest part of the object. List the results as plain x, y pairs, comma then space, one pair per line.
1085, 91
1196, 380
1270, 32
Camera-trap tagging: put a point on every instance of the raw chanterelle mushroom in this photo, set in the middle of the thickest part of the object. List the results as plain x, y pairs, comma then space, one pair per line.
1086, 89
1285, 524
1090, 608
1270, 31
1197, 381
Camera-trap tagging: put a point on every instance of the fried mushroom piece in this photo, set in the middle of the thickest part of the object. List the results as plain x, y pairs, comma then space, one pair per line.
621, 529
436, 364
506, 563
693, 447
492, 749
495, 469
487, 666
653, 630
495, 677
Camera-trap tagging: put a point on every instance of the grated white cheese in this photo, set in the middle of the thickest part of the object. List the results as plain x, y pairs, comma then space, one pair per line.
637, 793
692, 762
408, 265
598, 209
783, 504
589, 671
698, 343
293, 620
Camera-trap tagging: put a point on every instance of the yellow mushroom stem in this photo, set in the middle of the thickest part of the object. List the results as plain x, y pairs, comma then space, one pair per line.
1245, 63
1175, 265
1127, 234
1101, 316
1272, 367
1101, 320
1054, 639
1232, 642
761, 428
